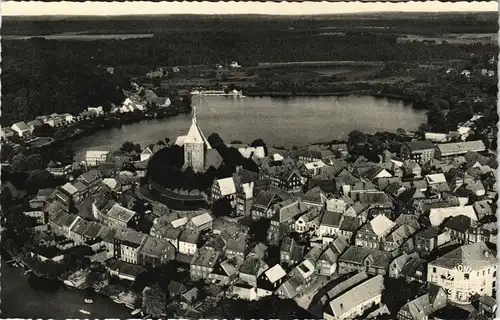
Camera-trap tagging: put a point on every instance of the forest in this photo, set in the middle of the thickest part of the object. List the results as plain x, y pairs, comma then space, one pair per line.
44, 76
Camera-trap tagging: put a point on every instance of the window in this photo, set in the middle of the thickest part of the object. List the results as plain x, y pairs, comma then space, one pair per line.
466, 276
434, 269
484, 273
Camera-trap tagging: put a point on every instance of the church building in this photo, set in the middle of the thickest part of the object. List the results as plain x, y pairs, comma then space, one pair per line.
198, 154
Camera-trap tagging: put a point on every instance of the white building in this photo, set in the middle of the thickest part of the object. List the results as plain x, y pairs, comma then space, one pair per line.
464, 272
94, 158
22, 129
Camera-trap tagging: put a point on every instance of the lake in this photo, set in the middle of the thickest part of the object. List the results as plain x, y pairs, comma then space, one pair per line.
20, 299
278, 121
81, 36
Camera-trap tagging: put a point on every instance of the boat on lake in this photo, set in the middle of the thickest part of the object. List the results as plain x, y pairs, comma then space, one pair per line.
84, 311
136, 311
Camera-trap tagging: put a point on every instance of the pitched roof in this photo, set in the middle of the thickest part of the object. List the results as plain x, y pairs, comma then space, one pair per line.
121, 213
381, 224
476, 256
201, 219
331, 219
275, 273
226, 186
21, 126
69, 188
461, 147
195, 135
356, 296
420, 145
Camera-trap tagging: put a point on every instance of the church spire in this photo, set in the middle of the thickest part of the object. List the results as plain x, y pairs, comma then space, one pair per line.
194, 114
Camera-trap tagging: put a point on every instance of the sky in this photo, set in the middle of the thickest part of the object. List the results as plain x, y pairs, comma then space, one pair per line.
10, 8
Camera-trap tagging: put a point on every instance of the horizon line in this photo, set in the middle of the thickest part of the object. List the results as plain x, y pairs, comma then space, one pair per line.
140, 8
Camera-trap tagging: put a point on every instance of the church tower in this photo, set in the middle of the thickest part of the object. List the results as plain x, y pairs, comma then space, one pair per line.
195, 144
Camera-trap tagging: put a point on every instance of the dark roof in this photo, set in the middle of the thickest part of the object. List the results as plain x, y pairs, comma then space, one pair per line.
349, 224
458, 223
331, 218
420, 145
428, 233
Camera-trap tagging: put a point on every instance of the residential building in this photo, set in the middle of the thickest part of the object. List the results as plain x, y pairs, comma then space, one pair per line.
270, 280
127, 245
371, 234
262, 203
364, 259
224, 188
465, 271
203, 263
327, 262
200, 222
422, 307
419, 151
287, 181
155, 251
356, 300
21, 129
188, 242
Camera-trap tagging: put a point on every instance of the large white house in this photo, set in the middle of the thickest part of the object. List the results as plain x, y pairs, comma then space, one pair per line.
465, 271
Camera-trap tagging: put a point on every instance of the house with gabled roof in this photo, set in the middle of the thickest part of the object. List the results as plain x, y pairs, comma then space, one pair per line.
397, 237
22, 129
372, 261
270, 280
288, 181
356, 300
327, 262
251, 269
423, 306
200, 222
224, 188
314, 198
419, 151
308, 221
263, 203
371, 234
283, 219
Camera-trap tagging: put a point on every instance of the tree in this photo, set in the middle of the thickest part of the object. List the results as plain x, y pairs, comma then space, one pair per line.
401, 131
215, 140
356, 137
34, 162
19, 163
258, 229
154, 301
137, 148
436, 119
160, 143
222, 208
127, 146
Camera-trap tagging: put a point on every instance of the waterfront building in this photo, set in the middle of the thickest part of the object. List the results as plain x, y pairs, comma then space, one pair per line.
22, 129
419, 151
448, 150
94, 158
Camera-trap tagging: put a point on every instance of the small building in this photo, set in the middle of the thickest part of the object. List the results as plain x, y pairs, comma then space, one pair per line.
21, 129
188, 242
224, 188
269, 281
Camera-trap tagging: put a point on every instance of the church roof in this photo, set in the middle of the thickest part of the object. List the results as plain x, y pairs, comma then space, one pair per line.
195, 135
